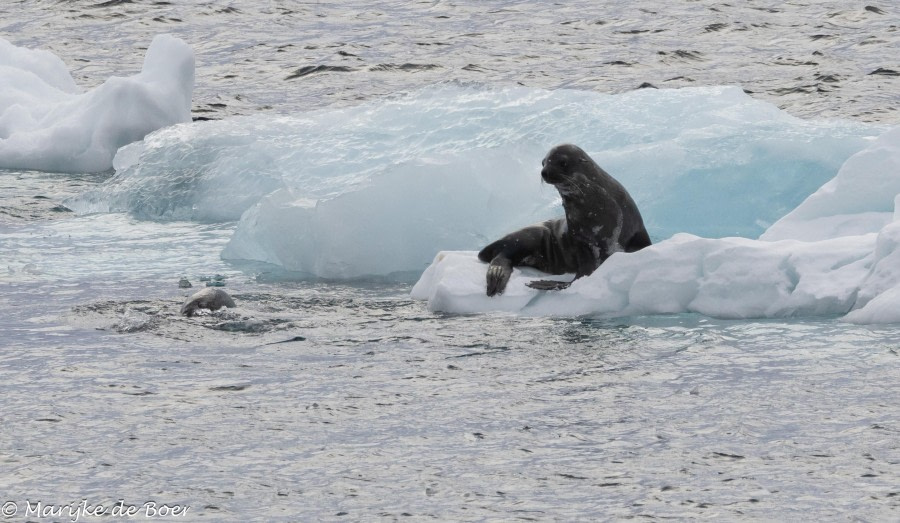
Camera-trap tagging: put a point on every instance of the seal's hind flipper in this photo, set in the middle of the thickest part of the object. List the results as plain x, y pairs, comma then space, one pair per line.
548, 285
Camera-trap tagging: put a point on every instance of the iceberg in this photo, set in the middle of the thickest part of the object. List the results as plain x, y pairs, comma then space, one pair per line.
395, 225
859, 200
379, 188
836, 254
48, 124
754, 213
453, 168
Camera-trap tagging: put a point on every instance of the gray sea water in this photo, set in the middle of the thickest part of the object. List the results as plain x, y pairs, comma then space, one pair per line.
317, 400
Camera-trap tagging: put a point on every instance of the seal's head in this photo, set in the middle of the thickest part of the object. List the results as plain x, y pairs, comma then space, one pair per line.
563, 164
208, 298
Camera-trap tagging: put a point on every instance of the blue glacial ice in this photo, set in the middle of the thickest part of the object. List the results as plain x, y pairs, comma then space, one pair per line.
460, 164
47, 123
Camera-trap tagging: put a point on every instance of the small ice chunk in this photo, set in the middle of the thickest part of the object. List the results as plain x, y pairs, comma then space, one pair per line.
47, 124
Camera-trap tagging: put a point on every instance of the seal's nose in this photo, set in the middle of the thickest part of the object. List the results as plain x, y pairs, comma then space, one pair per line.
545, 175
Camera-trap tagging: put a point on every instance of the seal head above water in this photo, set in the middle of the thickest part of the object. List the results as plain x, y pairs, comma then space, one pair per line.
601, 219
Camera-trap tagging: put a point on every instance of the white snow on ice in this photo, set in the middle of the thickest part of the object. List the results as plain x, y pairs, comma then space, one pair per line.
48, 124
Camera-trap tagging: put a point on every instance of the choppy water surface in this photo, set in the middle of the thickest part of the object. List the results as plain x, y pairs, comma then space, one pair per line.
315, 400
349, 401
831, 58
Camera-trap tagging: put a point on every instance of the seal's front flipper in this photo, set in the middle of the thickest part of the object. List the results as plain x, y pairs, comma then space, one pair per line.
498, 274
548, 285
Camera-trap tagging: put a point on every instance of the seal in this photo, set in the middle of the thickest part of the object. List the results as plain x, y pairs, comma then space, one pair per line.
600, 219
209, 298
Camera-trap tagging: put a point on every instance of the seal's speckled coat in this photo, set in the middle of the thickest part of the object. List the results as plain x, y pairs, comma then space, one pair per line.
601, 218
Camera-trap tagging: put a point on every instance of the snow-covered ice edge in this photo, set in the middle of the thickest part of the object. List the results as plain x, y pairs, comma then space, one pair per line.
836, 254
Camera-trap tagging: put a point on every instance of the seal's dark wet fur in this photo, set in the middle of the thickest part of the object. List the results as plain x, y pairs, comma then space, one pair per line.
208, 298
601, 218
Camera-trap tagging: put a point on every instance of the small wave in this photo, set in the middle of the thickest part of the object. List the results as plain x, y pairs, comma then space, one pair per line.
712, 28
681, 54
792, 62
828, 78
404, 67
111, 3
474, 68
244, 325
801, 89
307, 70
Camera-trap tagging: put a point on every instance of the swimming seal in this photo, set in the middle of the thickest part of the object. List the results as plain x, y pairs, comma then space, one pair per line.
601, 218
209, 298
